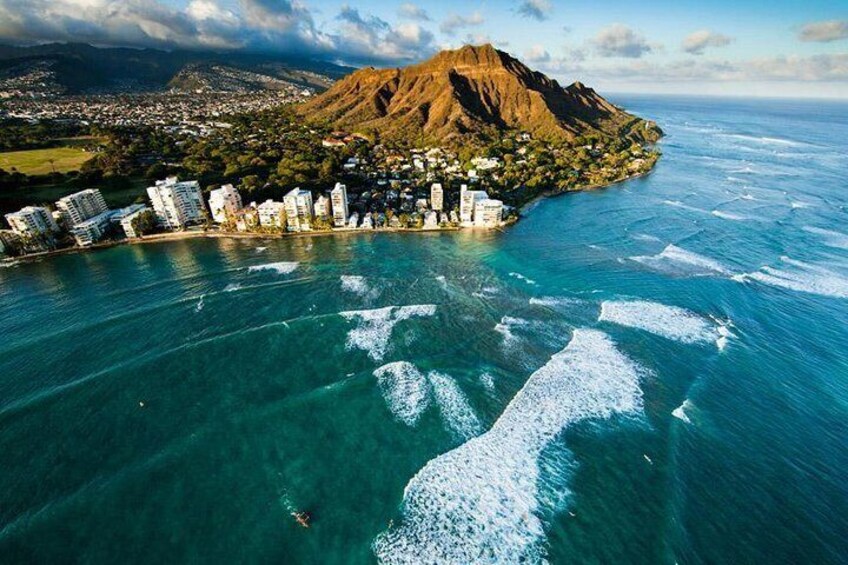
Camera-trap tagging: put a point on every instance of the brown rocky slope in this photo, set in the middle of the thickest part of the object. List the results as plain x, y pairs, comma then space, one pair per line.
475, 90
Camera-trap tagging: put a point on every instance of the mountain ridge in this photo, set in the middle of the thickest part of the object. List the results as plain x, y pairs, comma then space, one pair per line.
473, 90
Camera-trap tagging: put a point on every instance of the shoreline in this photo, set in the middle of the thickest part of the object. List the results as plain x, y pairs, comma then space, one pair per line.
217, 234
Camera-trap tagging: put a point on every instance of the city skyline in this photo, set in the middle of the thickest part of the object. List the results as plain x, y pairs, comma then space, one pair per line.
726, 48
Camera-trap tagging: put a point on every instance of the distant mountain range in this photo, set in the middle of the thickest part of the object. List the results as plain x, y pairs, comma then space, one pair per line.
475, 90
75, 68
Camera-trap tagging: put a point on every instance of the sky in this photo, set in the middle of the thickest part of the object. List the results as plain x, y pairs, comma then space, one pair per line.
779, 48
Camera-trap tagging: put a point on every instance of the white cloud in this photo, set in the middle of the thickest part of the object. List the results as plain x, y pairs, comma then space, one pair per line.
536, 9
455, 22
696, 42
371, 39
824, 32
412, 11
537, 54
618, 40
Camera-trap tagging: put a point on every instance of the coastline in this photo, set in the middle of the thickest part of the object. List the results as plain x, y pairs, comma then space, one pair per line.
195, 234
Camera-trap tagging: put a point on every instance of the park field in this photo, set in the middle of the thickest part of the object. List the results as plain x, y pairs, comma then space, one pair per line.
63, 159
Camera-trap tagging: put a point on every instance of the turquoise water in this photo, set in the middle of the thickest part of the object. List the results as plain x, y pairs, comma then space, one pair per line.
653, 373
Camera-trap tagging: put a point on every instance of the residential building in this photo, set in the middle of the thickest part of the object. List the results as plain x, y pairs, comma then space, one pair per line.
431, 219
338, 198
32, 221
353, 221
272, 214
299, 210
467, 203
224, 203
80, 206
177, 204
10, 242
92, 230
125, 217
322, 207
437, 197
488, 213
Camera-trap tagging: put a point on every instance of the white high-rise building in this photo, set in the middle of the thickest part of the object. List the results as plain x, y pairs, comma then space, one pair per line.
32, 221
176, 204
80, 206
488, 213
272, 214
437, 197
224, 203
338, 196
322, 207
126, 216
467, 202
299, 210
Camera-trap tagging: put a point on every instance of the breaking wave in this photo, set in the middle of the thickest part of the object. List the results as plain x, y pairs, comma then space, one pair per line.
456, 412
800, 277
354, 284
483, 501
232, 287
671, 322
729, 216
521, 277
375, 327
405, 390
281, 268
678, 260
680, 412
831, 238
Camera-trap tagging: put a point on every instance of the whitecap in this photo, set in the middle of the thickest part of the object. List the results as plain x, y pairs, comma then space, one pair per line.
374, 330
521, 277
488, 381
405, 390
261, 249
232, 287
677, 259
354, 284
801, 277
728, 216
506, 326
680, 412
831, 238
456, 412
482, 502
670, 322
281, 268
199, 306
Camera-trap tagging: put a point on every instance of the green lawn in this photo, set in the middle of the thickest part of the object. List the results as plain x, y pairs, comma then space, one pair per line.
68, 157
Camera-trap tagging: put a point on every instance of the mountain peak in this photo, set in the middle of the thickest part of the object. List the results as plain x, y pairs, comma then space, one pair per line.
475, 91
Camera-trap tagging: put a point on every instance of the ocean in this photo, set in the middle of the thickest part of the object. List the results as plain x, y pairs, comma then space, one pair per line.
656, 372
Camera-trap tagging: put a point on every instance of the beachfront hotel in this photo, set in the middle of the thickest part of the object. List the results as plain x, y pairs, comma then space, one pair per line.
467, 202
32, 221
272, 214
488, 213
176, 204
299, 210
224, 203
338, 198
81, 206
437, 197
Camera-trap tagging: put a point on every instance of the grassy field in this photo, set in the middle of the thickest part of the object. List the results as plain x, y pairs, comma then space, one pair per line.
65, 158
116, 197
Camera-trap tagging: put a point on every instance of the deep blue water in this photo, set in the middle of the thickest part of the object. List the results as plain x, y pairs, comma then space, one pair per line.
652, 373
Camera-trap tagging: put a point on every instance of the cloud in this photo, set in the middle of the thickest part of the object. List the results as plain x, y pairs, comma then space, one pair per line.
365, 39
537, 54
696, 42
811, 69
618, 40
536, 9
411, 11
455, 22
824, 32
270, 26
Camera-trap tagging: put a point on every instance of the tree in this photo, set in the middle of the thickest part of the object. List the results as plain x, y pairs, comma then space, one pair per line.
144, 223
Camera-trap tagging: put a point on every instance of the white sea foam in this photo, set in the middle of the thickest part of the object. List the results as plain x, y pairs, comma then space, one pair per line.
375, 327
456, 412
443, 281
232, 287
521, 277
765, 140
488, 381
554, 301
831, 238
670, 322
199, 306
682, 206
482, 502
676, 259
355, 284
680, 412
281, 268
801, 277
645, 237
728, 216
506, 326
261, 249
405, 390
